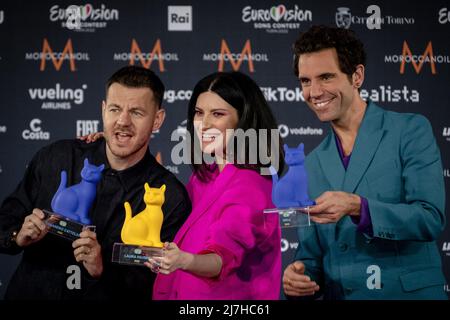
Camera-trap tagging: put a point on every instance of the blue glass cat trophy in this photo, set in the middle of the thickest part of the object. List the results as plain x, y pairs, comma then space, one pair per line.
70, 205
290, 192
141, 233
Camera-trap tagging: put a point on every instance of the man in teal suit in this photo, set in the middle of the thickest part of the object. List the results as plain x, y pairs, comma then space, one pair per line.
377, 181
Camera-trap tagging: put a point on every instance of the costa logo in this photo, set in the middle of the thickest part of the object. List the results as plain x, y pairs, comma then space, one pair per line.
35, 132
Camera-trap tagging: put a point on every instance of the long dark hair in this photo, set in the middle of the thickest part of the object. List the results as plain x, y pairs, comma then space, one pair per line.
243, 94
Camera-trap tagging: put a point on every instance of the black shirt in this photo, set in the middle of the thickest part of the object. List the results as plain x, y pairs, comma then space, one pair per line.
42, 273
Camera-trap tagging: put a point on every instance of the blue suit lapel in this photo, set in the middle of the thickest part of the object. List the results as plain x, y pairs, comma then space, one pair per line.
331, 163
367, 141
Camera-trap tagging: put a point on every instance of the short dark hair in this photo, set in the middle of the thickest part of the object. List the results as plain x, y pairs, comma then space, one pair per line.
138, 77
243, 94
350, 50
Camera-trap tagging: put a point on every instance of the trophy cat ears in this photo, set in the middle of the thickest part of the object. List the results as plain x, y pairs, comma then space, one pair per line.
300, 147
86, 163
147, 187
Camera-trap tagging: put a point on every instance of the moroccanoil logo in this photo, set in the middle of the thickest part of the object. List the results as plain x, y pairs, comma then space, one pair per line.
57, 58
236, 59
417, 61
146, 58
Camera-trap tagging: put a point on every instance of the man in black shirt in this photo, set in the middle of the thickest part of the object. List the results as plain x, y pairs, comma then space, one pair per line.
131, 112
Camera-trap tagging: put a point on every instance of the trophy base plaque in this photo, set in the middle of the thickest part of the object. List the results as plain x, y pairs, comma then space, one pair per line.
64, 227
134, 255
292, 217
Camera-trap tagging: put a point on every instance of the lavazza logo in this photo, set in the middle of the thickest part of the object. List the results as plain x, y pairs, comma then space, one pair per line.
35, 132
301, 131
84, 18
345, 19
277, 19
58, 98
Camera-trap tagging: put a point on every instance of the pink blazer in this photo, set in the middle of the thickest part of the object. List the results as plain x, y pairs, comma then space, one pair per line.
227, 218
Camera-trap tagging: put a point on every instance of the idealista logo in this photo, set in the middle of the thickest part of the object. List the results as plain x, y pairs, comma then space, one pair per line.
146, 58
444, 16
35, 132
301, 131
417, 61
57, 58
344, 18
84, 18
277, 19
58, 98
179, 18
386, 93
236, 59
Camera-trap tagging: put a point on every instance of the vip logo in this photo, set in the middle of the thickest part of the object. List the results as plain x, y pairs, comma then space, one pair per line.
85, 127
35, 132
343, 18
444, 16
179, 18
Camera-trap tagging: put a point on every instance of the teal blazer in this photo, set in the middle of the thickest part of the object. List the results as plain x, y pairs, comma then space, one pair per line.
396, 165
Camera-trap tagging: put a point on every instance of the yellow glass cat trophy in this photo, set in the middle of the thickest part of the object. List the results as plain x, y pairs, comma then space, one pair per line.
141, 233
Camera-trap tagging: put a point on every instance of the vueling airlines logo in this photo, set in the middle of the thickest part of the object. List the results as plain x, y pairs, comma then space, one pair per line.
417, 61
57, 58
146, 58
236, 59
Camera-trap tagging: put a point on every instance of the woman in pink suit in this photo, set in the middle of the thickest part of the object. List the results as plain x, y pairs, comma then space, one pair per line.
228, 248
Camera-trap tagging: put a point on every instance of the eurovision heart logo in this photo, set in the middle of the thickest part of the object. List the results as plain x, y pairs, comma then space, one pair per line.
86, 11
278, 12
